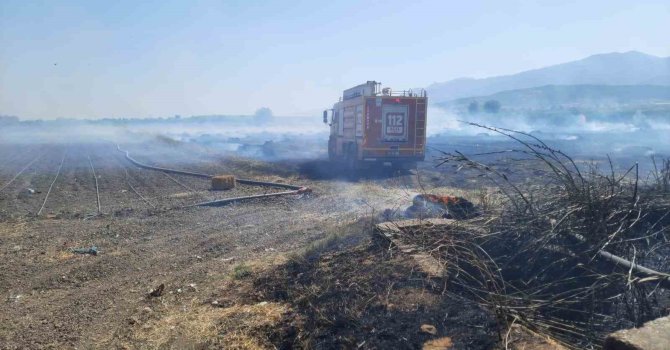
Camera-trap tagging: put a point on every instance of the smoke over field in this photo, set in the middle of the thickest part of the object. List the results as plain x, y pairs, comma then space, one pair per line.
235, 175
270, 267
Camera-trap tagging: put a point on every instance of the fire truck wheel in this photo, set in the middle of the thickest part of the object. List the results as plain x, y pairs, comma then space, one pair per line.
351, 156
331, 150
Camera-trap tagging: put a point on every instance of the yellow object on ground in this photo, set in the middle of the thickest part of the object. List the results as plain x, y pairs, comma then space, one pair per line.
223, 182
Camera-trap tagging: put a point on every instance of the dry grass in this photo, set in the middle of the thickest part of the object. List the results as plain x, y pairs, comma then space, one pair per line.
241, 327
443, 343
14, 229
369, 297
545, 259
176, 328
63, 255
335, 234
231, 320
332, 288
205, 326
241, 271
661, 174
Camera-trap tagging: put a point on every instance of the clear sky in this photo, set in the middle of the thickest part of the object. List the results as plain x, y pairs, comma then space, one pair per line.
94, 59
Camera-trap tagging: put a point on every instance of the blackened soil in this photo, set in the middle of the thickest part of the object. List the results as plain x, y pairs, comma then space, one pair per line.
369, 297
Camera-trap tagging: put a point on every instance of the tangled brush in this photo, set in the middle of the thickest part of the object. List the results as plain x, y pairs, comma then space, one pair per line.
576, 253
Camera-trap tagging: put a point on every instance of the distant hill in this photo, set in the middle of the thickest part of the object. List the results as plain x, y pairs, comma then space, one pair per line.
629, 68
571, 95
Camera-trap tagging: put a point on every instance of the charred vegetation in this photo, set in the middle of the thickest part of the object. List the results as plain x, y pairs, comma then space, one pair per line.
577, 253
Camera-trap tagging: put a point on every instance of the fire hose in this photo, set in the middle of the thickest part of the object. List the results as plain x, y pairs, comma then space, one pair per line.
293, 189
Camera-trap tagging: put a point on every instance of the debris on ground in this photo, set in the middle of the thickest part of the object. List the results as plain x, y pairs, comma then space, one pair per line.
426, 263
448, 207
653, 335
93, 250
427, 328
158, 291
304, 191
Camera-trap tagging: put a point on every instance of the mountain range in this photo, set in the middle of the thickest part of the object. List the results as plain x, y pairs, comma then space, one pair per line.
571, 95
610, 69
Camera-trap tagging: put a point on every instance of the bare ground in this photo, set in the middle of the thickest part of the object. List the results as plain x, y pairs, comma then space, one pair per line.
254, 274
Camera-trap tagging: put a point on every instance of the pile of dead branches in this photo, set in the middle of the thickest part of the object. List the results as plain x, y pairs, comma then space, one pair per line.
575, 252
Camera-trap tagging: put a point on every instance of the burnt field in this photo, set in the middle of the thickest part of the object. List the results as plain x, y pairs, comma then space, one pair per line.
297, 271
60, 197
55, 298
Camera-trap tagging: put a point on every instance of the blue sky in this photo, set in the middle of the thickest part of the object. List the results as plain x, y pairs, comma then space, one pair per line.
94, 59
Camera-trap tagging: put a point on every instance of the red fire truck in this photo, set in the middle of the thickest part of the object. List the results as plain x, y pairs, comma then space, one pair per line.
371, 127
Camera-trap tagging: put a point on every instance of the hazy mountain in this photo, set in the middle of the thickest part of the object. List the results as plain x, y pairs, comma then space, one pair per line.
572, 95
629, 68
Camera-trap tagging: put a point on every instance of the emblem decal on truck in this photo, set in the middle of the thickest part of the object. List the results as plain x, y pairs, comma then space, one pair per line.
394, 123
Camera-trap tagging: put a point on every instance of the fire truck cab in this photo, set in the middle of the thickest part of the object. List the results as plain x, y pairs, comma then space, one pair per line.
373, 127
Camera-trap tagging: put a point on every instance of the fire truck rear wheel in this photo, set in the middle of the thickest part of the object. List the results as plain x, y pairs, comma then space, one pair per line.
351, 155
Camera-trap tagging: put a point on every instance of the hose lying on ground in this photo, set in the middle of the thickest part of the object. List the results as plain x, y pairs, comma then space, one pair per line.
294, 189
